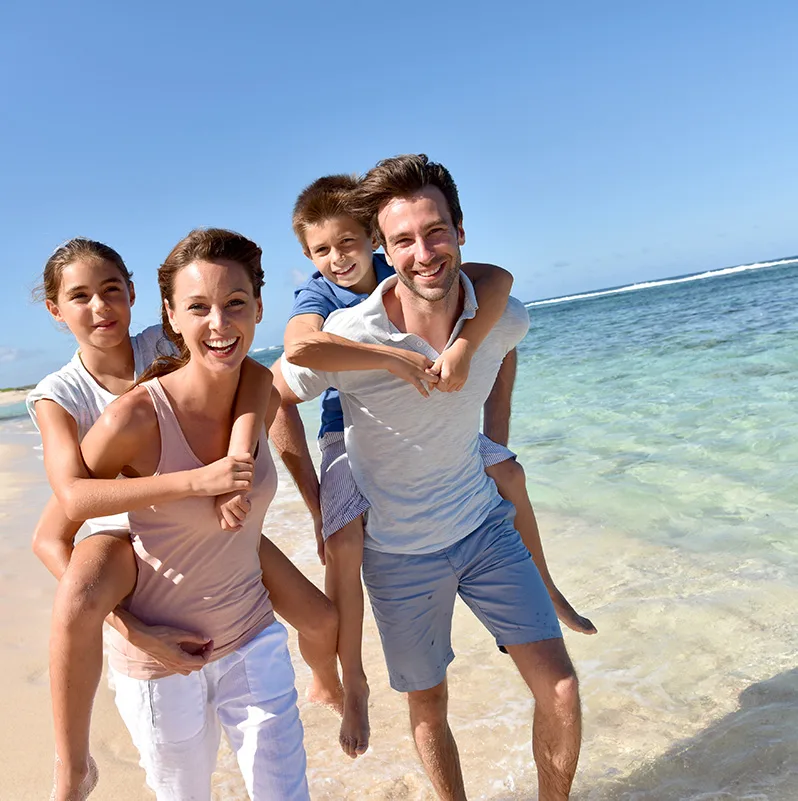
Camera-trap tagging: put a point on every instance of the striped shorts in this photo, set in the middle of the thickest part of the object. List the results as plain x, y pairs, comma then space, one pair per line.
339, 496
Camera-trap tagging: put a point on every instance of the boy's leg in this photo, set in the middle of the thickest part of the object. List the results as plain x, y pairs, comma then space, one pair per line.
305, 607
101, 572
344, 556
511, 482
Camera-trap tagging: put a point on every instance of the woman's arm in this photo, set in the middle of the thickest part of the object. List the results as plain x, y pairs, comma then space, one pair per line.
306, 345
82, 497
492, 287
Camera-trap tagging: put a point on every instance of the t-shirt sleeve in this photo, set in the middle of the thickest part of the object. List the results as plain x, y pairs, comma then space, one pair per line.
54, 388
308, 300
514, 323
305, 383
149, 345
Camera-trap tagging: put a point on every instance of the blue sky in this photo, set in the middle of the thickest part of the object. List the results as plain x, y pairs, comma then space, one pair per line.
594, 144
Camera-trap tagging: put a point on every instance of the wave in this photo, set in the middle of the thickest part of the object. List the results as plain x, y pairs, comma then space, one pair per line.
664, 282
266, 350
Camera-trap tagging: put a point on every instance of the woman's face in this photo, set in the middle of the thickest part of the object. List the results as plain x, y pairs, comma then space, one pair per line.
215, 310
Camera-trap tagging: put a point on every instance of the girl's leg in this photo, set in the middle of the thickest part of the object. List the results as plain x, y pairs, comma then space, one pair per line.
256, 705
344, 556
511, 482
307, 609
101, 572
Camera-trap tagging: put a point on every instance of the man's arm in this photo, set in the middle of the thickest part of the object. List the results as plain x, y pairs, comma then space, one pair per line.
306, 345
498, 406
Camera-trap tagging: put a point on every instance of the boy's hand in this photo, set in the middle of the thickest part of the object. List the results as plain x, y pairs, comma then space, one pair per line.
232, 509
452, 366
224, 475
413, 368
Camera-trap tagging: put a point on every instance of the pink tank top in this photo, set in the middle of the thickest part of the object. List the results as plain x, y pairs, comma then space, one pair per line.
191, 574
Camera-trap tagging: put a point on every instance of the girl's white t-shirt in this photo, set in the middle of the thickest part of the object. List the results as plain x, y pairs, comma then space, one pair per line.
75, 390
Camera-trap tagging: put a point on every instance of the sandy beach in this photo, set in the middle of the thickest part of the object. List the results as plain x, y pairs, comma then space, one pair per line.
9, 397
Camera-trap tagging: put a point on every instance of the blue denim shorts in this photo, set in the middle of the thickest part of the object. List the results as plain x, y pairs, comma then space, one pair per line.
412, 597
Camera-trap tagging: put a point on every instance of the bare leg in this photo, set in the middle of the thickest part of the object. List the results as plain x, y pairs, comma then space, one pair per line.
434, 741
511, 483
557, 730
101, 572
305, 607
344, 557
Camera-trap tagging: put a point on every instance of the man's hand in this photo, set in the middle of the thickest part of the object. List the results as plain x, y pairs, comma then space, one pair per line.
177, 650
567, 614
413, 368
232, 509
452, 366
224, 475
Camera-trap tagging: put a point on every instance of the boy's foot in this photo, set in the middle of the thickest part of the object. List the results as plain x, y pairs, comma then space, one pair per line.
354, 735
568, 615
71, 785
329, 693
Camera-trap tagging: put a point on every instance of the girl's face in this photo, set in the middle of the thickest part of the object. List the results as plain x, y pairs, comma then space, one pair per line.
94, 302
215, 311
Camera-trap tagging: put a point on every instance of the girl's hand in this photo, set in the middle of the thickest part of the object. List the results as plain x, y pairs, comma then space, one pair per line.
413, 368
229, 474
232, 509
177, 650
452, 366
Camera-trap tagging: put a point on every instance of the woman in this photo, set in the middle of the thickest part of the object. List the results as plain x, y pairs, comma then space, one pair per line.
192, 575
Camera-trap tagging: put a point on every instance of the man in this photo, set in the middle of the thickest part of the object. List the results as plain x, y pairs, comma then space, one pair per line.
437, 526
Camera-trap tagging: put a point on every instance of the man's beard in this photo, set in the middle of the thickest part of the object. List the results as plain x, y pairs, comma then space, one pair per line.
436, 293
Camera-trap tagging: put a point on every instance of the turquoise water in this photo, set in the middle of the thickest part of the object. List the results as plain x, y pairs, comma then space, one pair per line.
669, 412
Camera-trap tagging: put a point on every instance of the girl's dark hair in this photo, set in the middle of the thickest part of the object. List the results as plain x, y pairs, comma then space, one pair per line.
73, 250
202, 244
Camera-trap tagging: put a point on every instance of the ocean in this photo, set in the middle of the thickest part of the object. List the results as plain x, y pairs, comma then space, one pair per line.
658, 426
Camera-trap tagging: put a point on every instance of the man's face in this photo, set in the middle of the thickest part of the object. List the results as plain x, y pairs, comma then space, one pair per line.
422, 243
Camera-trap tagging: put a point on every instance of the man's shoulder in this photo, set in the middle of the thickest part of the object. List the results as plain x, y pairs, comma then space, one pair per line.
513, 325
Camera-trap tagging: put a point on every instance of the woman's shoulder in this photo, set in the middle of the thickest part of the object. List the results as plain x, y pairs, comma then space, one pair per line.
132, 412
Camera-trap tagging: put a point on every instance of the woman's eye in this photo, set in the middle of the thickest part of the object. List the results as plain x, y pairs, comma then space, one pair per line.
196, 307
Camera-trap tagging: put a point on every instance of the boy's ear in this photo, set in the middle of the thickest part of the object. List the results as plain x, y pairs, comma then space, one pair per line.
54, 311
132, 292
375, 243
171, 315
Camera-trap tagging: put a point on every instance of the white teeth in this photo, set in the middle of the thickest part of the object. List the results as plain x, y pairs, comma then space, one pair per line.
221, 344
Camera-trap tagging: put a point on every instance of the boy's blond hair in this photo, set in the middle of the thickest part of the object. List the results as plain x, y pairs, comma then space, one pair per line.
327, 197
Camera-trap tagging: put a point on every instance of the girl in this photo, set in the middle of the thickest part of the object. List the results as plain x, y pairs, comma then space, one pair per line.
88, 287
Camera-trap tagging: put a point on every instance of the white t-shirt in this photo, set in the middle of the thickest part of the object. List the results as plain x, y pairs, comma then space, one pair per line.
75, 390
415, 459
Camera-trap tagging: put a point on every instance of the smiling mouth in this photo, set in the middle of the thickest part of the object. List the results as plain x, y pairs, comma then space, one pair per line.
343, 273
426, 275
221, 347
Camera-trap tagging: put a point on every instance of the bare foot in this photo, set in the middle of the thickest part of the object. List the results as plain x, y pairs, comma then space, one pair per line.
71, 785
568, 615
327, 694
354, 736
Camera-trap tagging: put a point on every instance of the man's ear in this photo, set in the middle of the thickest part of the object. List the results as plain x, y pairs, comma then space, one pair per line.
54, 311
171, 315
460, 235
132, 292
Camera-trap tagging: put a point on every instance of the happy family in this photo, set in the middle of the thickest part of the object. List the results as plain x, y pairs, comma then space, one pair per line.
159, 442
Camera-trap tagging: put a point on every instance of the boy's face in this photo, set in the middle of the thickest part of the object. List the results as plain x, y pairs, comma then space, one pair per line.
342, 252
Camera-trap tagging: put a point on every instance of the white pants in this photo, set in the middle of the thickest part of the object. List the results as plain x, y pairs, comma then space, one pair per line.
176, 723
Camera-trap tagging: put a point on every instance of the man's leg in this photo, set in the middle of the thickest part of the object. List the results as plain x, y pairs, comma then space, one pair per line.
344, 557
434, 741
557, 728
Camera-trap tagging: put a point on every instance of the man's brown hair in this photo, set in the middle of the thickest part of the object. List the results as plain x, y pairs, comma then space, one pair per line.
327, 197
402, 176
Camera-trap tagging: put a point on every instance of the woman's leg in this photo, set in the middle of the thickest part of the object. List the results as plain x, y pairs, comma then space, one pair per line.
344, 557
308, 610
256, 705
101, 572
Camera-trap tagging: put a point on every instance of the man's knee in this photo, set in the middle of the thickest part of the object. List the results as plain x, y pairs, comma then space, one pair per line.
429, 708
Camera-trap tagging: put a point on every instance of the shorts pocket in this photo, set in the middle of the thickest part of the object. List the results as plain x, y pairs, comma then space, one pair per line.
178, 707
267, 664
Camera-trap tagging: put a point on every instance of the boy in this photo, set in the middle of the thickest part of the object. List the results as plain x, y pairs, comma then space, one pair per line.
342, 250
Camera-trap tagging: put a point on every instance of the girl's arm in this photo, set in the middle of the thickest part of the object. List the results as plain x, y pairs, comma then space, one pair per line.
82, 497
306, 345
492, 287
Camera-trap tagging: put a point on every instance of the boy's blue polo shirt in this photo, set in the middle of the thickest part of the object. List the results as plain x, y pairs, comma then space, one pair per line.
320, 296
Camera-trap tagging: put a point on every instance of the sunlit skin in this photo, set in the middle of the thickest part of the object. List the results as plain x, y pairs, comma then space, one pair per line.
342, 252
215, 310
422, 242
94, 302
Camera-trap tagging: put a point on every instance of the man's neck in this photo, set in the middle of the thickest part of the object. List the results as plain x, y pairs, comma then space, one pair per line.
433, 321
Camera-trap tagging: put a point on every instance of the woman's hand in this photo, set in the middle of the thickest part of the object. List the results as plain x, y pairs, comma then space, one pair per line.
228, 474
177, 650
413, 368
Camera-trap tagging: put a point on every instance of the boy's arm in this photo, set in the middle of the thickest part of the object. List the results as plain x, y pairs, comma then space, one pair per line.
81, 496
498, 406
492, 287
306, 345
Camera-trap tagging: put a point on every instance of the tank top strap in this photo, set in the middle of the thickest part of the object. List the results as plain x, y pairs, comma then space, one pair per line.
176, 453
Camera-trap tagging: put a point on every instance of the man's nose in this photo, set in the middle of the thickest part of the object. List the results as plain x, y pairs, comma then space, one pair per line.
423, 253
